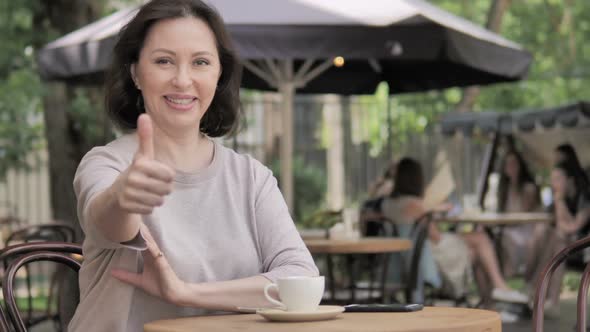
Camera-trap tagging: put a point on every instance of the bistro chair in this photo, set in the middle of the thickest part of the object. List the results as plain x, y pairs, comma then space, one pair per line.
4, 326
408, 285
12, 255
545, 280
42, 232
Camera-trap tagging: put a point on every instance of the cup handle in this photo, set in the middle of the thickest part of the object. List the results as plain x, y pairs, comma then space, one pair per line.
272, 300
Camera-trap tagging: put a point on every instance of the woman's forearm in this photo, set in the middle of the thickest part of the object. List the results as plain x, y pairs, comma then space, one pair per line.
114, 224
567, 222
228, 295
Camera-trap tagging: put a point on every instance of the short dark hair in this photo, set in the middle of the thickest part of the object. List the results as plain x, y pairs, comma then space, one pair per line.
409, 178
123, 99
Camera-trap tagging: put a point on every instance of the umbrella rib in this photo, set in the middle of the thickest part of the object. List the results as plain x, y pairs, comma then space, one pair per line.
274, 69
303, 69
316, 71
251, 66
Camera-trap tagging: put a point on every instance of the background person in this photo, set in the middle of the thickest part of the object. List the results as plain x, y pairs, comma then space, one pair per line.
453, 253
517, 192
571, 209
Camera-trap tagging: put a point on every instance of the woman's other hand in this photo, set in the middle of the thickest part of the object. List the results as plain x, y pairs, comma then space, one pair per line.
158, 278
146, 182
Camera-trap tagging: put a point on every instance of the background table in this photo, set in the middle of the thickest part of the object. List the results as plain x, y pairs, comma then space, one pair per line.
431, 319
372, 245
500, 219
350, 248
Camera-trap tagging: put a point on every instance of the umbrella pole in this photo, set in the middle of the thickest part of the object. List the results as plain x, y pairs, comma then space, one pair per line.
287, 89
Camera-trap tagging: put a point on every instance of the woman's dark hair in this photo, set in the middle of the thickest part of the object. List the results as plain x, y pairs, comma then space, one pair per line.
409, 179
524, 176
123, 100
570, 169
570, 156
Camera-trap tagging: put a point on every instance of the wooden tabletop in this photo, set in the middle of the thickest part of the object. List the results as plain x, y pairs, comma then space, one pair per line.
370, 245
431, 319
505, 219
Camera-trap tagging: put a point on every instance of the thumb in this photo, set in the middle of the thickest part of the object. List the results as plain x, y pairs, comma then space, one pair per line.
145, 133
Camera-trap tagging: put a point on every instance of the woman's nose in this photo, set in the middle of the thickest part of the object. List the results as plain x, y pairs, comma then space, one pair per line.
182, 79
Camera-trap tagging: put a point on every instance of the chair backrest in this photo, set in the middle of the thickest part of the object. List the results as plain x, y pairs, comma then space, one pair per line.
24, 253
42, 232
545, 279
3, 322
378, 225
420, 235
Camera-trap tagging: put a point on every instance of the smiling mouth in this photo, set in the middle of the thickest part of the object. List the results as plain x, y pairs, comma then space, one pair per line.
180, 101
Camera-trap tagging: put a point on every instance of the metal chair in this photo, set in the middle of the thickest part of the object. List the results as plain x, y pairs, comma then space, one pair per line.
15, 254
4, 326
42, 232
545, 279
382, 226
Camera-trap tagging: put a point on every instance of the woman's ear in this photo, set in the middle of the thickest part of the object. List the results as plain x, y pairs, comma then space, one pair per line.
133, 73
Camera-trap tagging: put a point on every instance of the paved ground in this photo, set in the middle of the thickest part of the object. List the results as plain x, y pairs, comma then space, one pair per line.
565, 322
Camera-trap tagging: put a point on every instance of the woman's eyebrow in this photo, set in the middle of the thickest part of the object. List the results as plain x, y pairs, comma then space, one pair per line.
174, 53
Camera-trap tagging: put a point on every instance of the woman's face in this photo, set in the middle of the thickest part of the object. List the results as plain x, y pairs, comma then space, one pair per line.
558, 181
511, 166
177, 72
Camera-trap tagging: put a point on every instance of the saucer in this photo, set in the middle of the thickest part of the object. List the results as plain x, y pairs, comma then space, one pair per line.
324, 312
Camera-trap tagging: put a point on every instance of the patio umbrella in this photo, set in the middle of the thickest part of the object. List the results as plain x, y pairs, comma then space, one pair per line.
324, 46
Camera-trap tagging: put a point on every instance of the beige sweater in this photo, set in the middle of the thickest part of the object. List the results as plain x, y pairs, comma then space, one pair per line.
226, 222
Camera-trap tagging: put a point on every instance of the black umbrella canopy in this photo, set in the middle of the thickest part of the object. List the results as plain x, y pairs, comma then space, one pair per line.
410, 44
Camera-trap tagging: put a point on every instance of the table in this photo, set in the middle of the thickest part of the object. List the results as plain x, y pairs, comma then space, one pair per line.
431, 319
501, 219
351, 247
370, 245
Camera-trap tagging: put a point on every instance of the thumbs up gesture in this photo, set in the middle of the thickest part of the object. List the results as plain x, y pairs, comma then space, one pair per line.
146, 182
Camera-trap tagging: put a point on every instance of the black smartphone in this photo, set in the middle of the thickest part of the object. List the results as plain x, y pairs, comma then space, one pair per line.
393, 307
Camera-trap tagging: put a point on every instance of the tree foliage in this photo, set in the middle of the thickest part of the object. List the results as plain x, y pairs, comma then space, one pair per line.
20, 88
556, 32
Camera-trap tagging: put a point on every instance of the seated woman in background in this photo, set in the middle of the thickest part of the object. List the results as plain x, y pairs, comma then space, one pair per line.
517, 192
571, 208
453, 253
565, 152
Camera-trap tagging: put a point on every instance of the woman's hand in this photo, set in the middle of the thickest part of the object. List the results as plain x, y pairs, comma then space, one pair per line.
158, 278
146, 182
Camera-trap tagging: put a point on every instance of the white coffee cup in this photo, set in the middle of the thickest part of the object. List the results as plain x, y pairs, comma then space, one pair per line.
297, 293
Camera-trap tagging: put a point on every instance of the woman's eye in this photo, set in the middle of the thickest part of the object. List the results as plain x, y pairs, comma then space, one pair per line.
163, 61
201, 62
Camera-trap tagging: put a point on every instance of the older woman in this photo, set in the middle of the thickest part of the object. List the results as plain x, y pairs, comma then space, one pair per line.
214, 223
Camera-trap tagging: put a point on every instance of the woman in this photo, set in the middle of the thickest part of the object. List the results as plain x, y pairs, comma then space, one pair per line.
571, 209
214, 223
406, 205
566, 153
517, 192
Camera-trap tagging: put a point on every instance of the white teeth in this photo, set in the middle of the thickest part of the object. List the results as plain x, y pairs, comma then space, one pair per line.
180, 101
